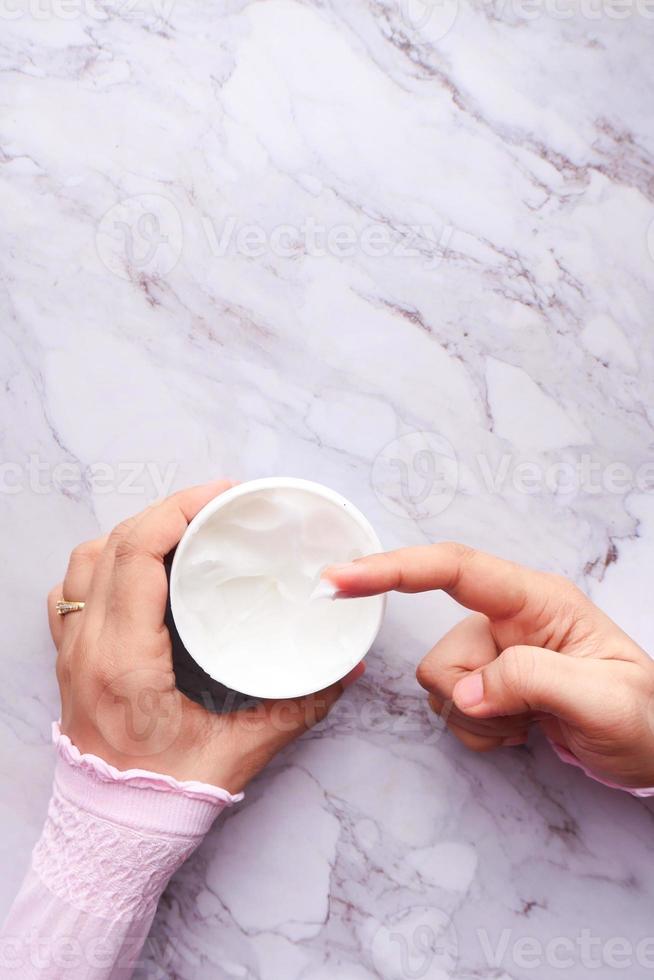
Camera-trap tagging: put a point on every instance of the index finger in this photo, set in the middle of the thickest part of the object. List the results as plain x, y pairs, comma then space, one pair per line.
138, 587
498, 588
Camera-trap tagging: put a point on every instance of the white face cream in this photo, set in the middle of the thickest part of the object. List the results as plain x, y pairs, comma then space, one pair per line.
242, 586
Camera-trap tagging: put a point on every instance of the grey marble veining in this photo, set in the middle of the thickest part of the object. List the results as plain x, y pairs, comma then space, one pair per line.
402, 248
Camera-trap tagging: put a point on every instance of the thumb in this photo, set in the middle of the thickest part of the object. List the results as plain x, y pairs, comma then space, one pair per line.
523, 679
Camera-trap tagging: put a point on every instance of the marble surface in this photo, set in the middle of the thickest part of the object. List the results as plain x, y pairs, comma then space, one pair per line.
402, 248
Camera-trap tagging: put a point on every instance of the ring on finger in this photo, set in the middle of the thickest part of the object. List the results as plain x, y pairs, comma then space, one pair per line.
65, 606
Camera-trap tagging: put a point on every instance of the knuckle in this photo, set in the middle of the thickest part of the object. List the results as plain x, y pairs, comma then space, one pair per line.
424, 674
459, 552
570, 607
126, 549
428, 675
121, 531
564, 586
90, 663
457, 548
460, 556
81, 553
105, 676
116, 536
517, 667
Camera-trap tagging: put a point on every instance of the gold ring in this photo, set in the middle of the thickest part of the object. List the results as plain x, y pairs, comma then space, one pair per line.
64, 607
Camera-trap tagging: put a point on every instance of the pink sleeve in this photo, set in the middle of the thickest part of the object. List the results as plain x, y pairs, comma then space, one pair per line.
110, 843
565, 755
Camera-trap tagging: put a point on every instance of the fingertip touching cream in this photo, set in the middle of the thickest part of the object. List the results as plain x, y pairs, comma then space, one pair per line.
246, 593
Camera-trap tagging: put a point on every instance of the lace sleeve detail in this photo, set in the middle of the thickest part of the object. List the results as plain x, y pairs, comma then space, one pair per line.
104, 868
110, 843
112, 838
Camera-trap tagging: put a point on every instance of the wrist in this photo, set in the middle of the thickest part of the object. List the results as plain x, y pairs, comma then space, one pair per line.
639, 784
90, 778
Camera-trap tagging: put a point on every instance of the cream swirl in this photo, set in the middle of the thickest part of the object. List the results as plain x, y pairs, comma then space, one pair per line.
243, 584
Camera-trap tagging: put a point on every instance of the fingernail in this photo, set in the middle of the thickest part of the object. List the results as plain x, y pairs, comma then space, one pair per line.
354, 675
324, 590
469, 692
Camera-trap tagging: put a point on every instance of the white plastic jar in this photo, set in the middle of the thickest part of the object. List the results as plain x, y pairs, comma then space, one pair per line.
243, 581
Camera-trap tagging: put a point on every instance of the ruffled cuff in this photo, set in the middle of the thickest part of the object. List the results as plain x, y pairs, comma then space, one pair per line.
135, 797
565, 755
112, 839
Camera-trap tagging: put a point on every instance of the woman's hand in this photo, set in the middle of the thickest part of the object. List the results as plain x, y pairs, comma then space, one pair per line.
115, 672
536, 651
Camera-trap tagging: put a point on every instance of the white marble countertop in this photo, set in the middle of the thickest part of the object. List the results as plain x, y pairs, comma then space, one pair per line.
367, 243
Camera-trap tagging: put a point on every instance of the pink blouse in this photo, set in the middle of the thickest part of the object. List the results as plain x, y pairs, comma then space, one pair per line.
110, 843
